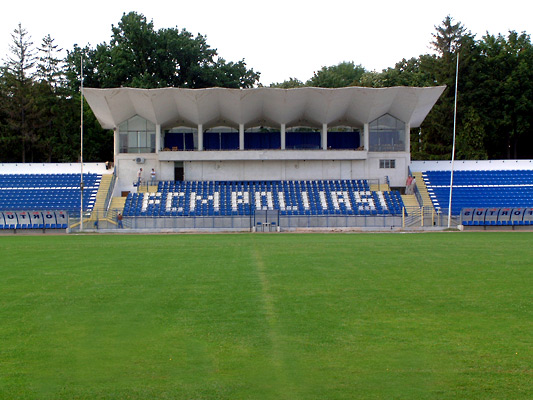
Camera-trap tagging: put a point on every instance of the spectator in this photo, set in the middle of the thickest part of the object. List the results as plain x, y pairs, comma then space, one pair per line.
139, 177
152, 174
408, 185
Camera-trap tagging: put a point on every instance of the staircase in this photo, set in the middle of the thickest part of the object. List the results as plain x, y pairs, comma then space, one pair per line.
99, 210
117, 204
410, 201
422, 188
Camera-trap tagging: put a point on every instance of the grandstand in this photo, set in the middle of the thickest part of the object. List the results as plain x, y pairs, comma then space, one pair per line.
309, 157
42, 196
264, 159
228, 198
485, 193
47, 191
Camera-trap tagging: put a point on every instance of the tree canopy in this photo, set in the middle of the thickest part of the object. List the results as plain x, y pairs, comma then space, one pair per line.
40, 89
139, 56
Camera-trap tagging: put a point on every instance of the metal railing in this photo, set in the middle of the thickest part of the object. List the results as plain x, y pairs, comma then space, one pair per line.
110, 190
417, 194
427, 216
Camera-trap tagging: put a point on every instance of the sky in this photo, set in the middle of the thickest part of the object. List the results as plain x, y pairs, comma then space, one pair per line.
280, 39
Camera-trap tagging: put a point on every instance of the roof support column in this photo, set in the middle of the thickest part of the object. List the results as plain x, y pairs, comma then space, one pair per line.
282, 136
200, 137
241, 136
116, 143
324, 136
407, 140
157, 138
366, 137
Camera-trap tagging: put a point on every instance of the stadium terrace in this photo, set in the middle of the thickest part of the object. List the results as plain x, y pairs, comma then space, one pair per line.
264, 159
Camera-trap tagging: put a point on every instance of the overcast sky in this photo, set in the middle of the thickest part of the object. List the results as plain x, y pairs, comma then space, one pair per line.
279, 38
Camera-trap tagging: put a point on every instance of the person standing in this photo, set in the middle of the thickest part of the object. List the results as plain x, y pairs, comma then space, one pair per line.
139, 177
119, 220
408, 185
152, 175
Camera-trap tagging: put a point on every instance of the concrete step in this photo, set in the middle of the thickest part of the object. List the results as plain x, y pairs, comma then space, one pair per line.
99, 203
147, 189
409, 200
422, 188
117, 203
383, 187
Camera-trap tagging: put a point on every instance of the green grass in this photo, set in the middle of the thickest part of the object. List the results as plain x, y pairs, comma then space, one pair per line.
281, 316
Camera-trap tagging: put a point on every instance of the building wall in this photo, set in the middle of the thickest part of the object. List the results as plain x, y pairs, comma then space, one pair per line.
53, 168
246, 170
471, 165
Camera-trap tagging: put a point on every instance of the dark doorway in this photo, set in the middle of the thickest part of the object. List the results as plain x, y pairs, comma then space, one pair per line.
178, 171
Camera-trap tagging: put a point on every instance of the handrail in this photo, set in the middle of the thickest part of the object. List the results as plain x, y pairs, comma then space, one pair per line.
418, 195
110, 191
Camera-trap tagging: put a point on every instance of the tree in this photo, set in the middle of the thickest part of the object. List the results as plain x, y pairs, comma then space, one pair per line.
49, 68
139, 56
289, 84
450, 39
18, 98
507, 93
405, 73
340, 75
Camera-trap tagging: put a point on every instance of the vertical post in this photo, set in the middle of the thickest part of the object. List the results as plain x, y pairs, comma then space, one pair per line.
200, 137
324, 136
81, 145
157, 138
408, 140
453, 146
282, 136
403, 217
366, 136
116, 143
241, 136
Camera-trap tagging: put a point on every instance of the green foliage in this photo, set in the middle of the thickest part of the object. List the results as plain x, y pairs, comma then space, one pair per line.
39, 97
18, 95
470, 144
290, 84
139, 56
507, 92
288, 316
340, 75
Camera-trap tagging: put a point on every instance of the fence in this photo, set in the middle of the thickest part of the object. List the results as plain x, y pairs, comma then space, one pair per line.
414, 217
259, 223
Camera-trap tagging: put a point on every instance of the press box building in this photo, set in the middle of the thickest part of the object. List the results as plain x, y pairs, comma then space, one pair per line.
220, 134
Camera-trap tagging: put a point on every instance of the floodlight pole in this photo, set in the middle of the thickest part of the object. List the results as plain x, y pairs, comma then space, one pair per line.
81, 146
453, 146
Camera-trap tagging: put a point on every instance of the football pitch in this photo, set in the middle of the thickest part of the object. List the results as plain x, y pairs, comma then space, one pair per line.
267, 316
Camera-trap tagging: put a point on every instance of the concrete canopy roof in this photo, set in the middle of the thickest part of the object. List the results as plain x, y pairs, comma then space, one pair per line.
308, 106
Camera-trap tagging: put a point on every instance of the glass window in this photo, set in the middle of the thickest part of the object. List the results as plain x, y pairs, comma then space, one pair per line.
387, 163
387, 134
137, 135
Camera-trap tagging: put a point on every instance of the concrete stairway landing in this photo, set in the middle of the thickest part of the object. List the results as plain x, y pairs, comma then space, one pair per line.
382, 187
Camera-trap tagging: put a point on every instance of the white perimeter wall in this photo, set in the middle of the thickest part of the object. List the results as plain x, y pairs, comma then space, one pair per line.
51, 168
472, 165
